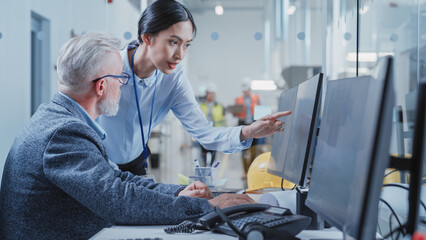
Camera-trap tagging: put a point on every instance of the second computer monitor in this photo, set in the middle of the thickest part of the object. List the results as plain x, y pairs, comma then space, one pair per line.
292, 150
353, 152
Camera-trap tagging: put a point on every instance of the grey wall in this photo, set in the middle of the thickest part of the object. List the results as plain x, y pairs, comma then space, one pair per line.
15, 64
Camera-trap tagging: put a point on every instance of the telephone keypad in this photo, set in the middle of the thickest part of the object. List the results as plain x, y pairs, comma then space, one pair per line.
267, 220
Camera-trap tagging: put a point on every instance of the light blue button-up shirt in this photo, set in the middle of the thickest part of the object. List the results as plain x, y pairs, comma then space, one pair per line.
98, 129
174, 92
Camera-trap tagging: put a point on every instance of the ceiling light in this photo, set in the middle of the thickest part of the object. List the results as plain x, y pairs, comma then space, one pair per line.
364, 10
291, 10
366, 56
263, 85
218, 10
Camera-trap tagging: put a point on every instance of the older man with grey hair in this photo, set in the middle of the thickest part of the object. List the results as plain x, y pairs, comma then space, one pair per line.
57, 182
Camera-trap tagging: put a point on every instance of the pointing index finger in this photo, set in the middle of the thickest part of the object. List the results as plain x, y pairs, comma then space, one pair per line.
277, 115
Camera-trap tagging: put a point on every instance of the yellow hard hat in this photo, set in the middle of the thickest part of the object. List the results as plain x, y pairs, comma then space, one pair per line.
394, 175
259, 178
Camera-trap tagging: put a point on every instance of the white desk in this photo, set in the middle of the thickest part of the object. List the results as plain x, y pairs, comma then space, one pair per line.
156, 231
134, 232
141, 232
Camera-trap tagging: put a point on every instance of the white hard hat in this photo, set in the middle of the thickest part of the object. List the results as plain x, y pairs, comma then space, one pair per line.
211, 87
245, 85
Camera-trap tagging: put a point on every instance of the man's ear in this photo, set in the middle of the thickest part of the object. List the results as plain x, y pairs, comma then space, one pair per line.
100, 87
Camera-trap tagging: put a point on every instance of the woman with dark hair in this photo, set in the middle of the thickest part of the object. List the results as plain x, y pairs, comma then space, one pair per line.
165, 32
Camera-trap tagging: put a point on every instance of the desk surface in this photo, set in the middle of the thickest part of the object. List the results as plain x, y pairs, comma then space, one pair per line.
141, 232
134, 232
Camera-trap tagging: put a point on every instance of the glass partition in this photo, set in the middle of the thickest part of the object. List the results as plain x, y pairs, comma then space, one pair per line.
392, 28
395, 28
341, 39
122, 19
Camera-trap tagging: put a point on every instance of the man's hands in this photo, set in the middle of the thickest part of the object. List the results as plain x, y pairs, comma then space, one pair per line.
226, 200
263, 127
201, 190
196, 189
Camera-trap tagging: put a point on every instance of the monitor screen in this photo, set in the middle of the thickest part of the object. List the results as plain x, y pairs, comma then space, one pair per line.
352, 152
292, 150
280, 140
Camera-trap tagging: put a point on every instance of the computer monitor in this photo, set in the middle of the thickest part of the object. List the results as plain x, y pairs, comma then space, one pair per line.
418, 161
292, 150
352, 152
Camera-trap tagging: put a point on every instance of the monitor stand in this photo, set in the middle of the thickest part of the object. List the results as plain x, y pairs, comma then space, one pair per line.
295, 201
317, 223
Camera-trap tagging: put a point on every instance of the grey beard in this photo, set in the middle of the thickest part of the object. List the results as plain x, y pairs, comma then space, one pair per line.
109, 107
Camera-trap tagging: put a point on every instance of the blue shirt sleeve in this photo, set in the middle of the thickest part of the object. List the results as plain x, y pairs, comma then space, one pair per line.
173, 92
187, 110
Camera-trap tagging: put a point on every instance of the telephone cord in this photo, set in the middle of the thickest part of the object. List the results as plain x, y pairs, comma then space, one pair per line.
184, 227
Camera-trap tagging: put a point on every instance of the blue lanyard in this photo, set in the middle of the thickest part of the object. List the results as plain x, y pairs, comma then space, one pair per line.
145, 151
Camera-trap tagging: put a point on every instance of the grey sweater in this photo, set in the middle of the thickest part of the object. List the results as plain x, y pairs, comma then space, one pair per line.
57, 183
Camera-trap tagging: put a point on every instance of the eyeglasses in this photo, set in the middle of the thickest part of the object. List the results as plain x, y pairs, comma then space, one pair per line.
123, 78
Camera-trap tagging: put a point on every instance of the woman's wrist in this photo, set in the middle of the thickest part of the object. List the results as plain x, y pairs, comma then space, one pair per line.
245, 133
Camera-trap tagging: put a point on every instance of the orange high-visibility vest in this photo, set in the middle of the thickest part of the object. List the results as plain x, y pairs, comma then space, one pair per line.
240, 101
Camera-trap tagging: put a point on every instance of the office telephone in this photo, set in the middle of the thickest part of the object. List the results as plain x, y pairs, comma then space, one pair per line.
249, 221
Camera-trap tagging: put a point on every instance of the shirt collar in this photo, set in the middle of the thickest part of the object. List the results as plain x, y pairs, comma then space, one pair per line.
98, 129
149, 81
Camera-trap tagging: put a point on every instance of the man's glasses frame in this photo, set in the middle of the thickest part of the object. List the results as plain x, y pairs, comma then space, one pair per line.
123, 78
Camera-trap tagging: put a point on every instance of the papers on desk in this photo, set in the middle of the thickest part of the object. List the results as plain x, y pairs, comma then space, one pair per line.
183, 180
285, 199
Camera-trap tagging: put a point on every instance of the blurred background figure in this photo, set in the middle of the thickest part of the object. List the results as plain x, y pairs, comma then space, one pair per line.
248, 100
215, 113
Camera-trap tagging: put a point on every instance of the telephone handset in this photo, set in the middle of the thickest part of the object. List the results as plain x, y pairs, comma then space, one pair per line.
248, 221
209, 220
261, 221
